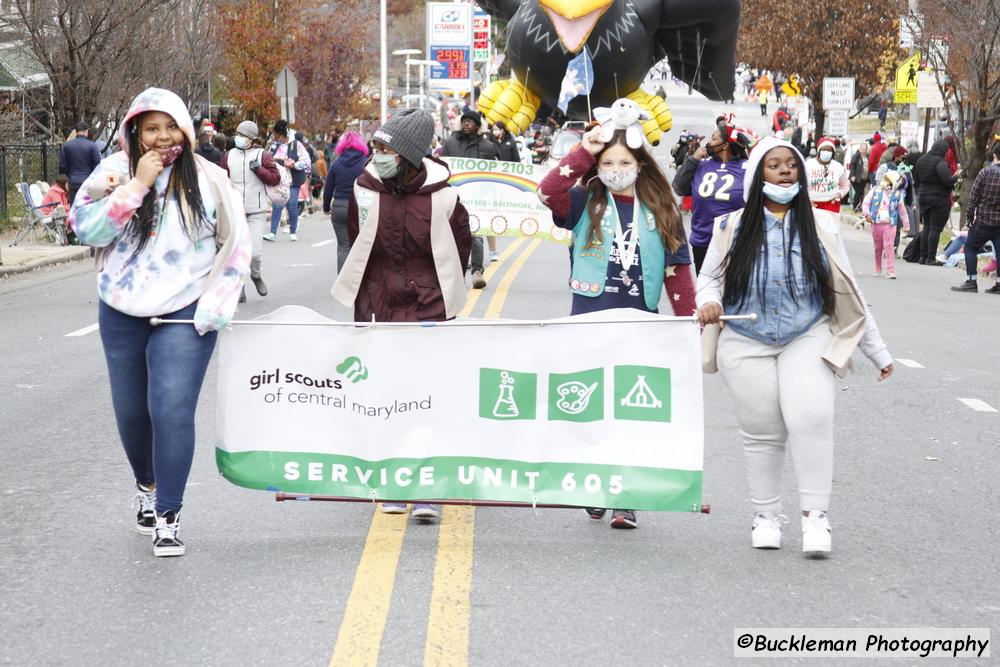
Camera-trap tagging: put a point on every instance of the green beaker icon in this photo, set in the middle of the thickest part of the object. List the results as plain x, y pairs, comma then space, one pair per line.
506, 407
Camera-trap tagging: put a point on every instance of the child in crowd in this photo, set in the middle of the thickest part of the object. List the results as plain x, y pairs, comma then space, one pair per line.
56, 196
778, 261
629, 242
885, 209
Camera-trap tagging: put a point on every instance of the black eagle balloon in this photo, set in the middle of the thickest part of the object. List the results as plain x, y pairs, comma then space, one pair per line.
624, 39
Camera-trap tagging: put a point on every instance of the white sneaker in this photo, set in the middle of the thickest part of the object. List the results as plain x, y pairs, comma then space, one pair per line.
424, 512
494, 256
766, 530
877, 273
293, 237
269, 237
395, 508
816, 534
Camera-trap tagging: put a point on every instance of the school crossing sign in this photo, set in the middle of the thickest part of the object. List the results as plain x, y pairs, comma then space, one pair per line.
906, 80
503, 411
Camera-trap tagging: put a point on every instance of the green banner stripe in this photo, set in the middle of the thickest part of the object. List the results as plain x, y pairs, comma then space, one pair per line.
463, 478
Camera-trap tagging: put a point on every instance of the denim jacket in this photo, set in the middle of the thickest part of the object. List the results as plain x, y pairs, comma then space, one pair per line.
781, 317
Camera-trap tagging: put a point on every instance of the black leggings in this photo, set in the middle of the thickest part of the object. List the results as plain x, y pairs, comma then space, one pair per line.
699, 253
934, 217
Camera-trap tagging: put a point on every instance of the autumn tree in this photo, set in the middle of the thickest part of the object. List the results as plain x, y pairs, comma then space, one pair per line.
259, 38
963, 40
821, 38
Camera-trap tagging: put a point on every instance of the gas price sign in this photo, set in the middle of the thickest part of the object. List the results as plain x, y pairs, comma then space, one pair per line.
453, 73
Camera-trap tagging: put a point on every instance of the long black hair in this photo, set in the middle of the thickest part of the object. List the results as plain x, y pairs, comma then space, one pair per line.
183, 187
740, 263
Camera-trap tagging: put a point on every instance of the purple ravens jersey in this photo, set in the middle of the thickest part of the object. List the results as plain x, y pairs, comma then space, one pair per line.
717, 189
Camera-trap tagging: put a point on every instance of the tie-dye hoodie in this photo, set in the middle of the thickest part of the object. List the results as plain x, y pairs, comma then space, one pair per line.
174, 269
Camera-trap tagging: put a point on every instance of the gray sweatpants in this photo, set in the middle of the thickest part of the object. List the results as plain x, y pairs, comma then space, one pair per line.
257, 222
784, 397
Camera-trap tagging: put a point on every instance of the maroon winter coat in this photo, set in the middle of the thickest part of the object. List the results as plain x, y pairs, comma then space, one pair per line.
400, 282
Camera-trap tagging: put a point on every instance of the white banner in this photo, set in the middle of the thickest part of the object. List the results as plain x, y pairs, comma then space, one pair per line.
586, 410
502, 198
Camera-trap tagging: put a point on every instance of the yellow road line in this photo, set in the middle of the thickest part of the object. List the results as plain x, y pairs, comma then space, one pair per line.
360, 636
448, 621
361, 629
498, 300
451, 610
488, 274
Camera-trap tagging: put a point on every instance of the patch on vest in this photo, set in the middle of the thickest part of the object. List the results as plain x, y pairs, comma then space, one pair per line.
365, 200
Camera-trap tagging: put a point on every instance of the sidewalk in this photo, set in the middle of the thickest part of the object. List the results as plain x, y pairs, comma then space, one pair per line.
32, 254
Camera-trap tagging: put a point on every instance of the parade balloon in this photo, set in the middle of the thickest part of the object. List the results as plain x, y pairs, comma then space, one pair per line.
623, 39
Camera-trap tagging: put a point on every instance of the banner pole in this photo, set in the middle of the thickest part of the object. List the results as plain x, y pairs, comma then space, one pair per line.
157, 321
281, 497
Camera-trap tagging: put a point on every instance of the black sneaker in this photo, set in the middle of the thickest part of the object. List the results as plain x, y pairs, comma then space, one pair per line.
596, 513
967, 286
933, 262
993, 290
145, 500
165, 540
623, 519
259, 283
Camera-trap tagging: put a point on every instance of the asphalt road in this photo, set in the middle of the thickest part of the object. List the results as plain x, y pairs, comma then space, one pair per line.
914, 512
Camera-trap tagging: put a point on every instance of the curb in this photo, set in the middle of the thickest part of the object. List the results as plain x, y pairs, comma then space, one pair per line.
78, 254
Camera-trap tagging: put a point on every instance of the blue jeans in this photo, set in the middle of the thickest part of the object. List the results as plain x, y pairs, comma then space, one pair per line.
156, 375
293, 212
979, 235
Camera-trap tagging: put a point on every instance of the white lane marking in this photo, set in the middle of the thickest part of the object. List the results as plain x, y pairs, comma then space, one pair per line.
300, 266
977, 405
83, 332
322, 243
909, 363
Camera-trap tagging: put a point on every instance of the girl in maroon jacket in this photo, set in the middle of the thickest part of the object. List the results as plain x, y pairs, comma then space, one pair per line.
410, 238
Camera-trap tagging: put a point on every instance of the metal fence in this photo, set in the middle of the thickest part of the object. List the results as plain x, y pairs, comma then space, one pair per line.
24, 163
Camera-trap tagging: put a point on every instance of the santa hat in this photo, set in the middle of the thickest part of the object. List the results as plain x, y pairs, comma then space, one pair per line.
828, 142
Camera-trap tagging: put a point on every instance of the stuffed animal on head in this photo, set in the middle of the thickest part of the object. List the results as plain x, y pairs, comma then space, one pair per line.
626, 115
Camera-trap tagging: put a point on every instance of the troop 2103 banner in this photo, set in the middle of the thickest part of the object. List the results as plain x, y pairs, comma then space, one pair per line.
581, 411
502, 198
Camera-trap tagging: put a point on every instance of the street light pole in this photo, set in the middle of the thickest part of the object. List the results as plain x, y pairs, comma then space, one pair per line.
407, 53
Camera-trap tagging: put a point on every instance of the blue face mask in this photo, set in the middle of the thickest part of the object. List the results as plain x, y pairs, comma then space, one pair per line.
781, 194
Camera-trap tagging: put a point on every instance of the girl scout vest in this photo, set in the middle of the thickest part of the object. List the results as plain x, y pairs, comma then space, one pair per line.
590, 263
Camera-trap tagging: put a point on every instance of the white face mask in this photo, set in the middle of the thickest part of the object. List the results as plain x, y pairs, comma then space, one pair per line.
242, 143
781, 194
825, 156
617, 180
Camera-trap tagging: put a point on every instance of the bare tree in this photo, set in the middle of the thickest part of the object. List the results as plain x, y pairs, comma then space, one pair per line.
99, 54
963, 40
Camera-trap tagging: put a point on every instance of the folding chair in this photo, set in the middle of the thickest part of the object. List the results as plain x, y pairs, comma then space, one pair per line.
53, 223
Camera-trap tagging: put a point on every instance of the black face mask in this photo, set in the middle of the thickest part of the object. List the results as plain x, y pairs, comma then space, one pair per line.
715, 149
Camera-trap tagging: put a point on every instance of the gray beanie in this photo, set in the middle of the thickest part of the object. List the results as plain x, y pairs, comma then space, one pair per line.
409, 134
247, 128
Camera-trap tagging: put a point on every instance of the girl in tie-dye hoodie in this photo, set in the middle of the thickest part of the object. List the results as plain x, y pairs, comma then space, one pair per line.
172, 242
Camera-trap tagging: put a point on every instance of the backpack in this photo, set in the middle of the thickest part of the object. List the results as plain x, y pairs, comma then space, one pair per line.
279, 194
